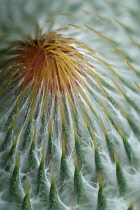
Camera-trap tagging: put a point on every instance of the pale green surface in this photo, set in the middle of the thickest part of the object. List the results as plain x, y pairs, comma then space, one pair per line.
20, 18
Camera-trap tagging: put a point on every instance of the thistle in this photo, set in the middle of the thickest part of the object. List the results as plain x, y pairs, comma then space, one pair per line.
70, 112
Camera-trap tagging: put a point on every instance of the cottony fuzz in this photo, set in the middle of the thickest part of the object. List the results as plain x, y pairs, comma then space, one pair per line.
70, 114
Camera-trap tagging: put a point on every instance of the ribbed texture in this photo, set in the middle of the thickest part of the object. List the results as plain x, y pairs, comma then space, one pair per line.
69, 105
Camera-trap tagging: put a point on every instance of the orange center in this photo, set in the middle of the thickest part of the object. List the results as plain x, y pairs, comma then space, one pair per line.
50, 62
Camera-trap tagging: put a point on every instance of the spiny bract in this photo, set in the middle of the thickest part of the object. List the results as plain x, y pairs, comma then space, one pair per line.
69, 105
